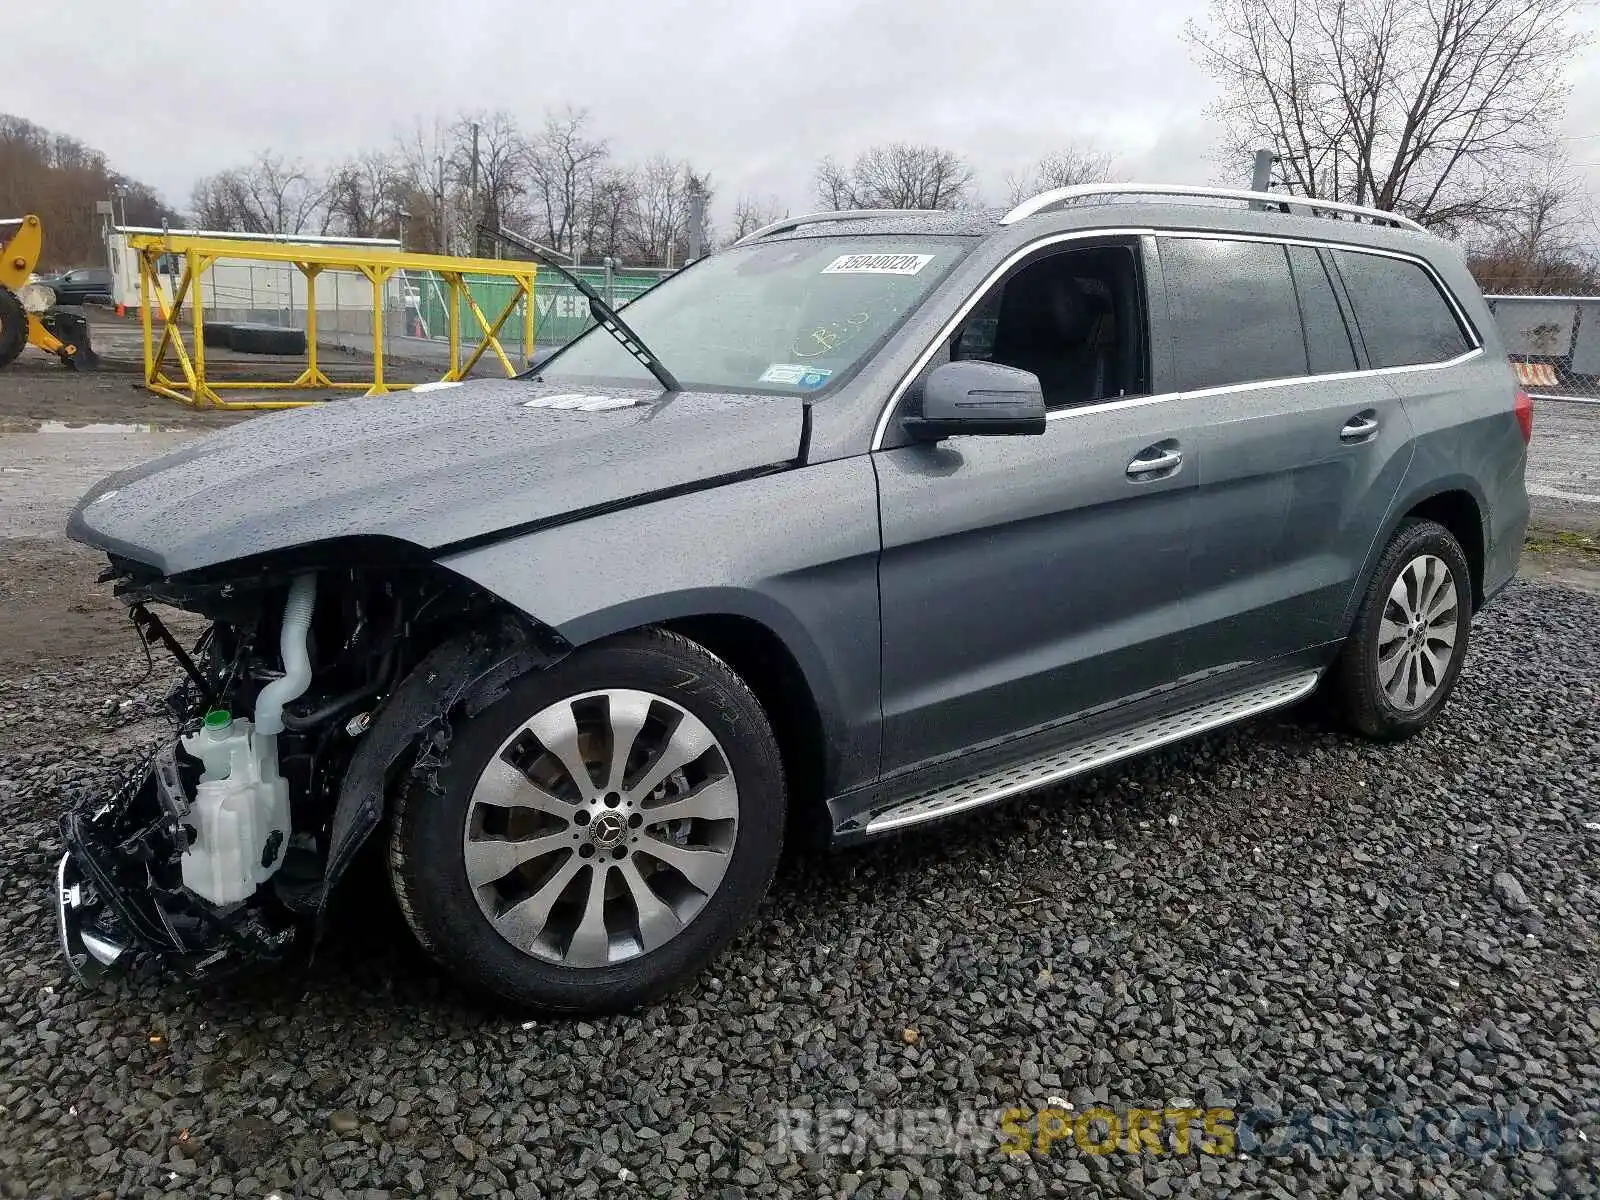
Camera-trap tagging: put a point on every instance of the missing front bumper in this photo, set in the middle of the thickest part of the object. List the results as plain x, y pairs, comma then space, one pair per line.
91, 951
120, 897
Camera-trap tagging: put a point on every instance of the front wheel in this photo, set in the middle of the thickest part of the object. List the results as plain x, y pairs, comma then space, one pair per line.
13, 325
1401, 661
599, 832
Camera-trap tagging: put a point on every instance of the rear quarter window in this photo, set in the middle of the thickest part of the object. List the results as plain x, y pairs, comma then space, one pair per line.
1404, 318
1233, 312
1328, 344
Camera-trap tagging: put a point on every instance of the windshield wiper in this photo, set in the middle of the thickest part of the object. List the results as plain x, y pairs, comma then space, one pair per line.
604, 315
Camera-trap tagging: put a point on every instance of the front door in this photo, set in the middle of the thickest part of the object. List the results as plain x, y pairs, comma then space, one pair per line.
1026, 579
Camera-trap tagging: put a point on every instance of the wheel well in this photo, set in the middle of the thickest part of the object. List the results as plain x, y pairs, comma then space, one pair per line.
1458, 512
762, 660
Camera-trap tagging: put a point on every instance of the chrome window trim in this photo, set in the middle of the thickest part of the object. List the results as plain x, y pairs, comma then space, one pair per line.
948, 330
1553, 299
1256, 385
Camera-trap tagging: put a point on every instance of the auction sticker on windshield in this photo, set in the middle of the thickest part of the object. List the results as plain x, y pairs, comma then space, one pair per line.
795, 375
877, 264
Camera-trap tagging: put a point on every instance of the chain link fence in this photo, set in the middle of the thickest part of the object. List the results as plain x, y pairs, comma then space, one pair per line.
236, 291
414, 306
561, 312
1553, 342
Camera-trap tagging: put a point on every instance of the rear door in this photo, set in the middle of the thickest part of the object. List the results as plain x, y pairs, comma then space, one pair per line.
1027, 579
1303, 453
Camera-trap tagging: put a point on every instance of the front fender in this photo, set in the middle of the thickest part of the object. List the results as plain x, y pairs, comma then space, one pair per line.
469, 671
795, 551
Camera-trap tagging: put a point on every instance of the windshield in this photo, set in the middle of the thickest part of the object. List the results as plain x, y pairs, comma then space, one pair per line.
790, 317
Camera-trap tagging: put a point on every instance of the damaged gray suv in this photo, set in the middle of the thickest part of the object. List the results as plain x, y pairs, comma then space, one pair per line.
871, 519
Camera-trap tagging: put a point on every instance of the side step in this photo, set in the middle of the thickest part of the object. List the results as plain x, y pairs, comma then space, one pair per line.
1086, 756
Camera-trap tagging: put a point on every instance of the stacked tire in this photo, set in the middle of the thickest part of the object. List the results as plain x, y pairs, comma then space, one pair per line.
266, 339
251, 338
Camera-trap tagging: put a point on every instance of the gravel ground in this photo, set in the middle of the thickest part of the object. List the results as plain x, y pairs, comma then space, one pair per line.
1273, 918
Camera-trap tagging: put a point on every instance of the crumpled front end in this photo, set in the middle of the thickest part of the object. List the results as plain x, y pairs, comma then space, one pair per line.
172, 863
313, 692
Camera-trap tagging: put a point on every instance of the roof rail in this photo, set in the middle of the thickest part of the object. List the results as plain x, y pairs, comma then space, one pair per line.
822, 218
1280, 201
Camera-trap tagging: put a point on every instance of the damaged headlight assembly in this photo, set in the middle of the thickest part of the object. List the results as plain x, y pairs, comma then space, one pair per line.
216, 851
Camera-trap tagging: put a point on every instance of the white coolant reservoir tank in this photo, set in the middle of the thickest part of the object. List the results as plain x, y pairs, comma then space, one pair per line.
240, 812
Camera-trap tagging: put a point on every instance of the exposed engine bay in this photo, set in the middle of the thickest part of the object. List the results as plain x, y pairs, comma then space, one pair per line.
314, 692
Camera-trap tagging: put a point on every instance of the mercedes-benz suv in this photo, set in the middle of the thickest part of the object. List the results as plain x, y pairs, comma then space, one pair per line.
871, 519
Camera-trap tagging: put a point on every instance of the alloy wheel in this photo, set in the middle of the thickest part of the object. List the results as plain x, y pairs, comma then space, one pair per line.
601, 827
1417, 633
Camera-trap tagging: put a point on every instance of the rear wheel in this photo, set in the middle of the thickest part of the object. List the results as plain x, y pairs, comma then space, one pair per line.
13, 326
1401, 661
597, 834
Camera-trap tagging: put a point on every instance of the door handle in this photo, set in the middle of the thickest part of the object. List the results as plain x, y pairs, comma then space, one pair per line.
1359, 428
1156, 461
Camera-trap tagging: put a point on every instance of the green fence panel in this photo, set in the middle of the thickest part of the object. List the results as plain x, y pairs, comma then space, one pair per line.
560, 311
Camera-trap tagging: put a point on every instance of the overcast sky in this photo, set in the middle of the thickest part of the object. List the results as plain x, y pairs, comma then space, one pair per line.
753, 93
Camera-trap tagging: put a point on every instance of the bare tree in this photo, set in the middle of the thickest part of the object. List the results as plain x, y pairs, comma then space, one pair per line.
488, 163
1545, 221
1541, 245
270, 195
897, 175
611, 211
659, 229
750, 213
283, 196
1067, 167
1428, 107
216, 202
834, 186
60, 178
564, 168
366, 195
424, 191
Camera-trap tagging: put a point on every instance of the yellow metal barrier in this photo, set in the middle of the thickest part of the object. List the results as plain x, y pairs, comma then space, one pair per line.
377, 264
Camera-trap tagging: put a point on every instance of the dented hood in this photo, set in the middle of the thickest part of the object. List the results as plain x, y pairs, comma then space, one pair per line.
434, 468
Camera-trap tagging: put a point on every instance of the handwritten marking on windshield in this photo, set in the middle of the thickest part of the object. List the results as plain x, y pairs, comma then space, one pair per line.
824, 339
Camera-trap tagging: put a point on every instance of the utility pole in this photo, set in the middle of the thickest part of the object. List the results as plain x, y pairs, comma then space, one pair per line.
438, 195
477, 204
697, 219
1261, 178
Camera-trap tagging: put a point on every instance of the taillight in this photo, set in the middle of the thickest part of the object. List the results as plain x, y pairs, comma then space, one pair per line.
1524, 410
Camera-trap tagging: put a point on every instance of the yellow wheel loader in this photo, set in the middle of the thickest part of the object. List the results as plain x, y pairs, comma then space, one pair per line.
28, 315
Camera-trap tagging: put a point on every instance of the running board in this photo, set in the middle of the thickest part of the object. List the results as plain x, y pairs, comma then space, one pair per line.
1086, 756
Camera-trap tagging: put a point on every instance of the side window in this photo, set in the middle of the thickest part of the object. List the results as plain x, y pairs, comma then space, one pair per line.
1233, 312
1328, 344
1075, 319
1404, 320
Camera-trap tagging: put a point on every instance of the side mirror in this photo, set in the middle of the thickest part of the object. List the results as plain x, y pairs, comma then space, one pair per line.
971, 396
